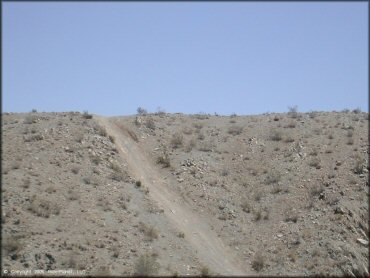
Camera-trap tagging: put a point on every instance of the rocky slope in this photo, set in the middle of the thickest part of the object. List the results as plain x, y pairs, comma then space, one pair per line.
284, 194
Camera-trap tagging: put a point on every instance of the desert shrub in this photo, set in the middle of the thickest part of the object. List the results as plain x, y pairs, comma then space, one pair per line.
177, 140
149, 123
73, 195
187, 130
312, 114
258, 262
357, 110
160, 112
288, 139
86, 115
164, 160
204, 271
358, 167
293, 111
275, 135
146, 265
111, 138
315, 162
198, 125
224, 172
273, 177
42, 207
201, 136
11, 244
118, 176
33, 137
138, 183
235, 130
316, 190
149, 231
141, 111
291, 124
95, 159
246, 206
100, 130
181, 235
350, 141
191, 144
30, 119
75, 169
205, 147
201, 116
349, 133
290, 215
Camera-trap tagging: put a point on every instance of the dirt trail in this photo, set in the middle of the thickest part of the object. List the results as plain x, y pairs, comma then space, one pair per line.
210, 249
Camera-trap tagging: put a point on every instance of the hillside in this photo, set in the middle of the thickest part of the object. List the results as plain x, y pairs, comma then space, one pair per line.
174, 194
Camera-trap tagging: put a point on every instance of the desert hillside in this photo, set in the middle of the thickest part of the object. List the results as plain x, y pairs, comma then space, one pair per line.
174, 194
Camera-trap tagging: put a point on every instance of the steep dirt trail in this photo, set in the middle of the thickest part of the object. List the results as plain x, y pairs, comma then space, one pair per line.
210, 249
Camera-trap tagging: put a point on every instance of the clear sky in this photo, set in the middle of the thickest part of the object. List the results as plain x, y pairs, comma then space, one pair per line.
239, 57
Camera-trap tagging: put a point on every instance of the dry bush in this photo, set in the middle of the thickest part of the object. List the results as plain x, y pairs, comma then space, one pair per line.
205, 147
73, 195
204, 271
273, 177
42, 207
187, 130
246, 206
359, 164
177, 140
31, 119
141, 111
33, 137
291, 124
201, 136
288, 139
235, 130
315, 162
149, 123
258, 262
198, 125
100, 130
149, 231
349, 133
146, 265
275, 135
191, 144
164, 159
86, 115
293, 111
75, 169
11, 244
316, 190
290, 215
350, 141
201, 116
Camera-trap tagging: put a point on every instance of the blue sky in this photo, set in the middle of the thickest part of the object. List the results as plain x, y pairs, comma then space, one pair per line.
240, 57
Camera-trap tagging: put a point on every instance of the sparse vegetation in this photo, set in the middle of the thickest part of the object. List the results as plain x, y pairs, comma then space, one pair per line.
42, 207
275, 135
86, 115
273, 177
235, 130
359, 161
258, 262
293, 111
146, 265
149, 123
177, 140
164, 160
